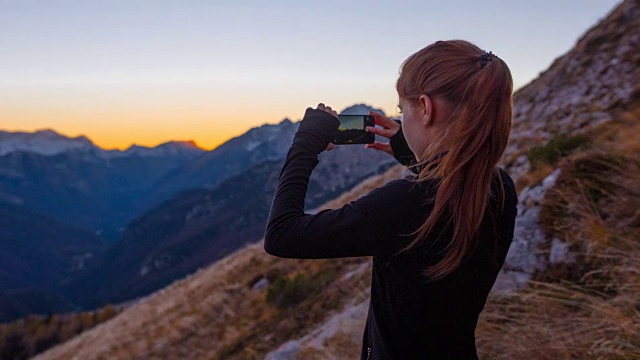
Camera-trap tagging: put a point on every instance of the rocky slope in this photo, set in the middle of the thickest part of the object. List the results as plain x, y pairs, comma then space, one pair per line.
39, 254
582, 89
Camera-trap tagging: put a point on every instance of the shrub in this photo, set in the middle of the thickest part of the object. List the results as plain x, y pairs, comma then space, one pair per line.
285, 291
559, 146
583, 209
34, 334
587, 177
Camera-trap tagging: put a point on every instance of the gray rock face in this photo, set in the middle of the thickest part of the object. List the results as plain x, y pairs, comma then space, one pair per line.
583, 88
560, 253
345, 325
523, 258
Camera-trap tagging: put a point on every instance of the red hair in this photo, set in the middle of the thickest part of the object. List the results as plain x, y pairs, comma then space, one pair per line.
479, 91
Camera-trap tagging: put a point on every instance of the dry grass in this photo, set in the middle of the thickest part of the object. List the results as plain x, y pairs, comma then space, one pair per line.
534, 177
570, 319
588, 308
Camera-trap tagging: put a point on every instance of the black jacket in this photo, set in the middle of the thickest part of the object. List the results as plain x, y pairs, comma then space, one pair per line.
409, 317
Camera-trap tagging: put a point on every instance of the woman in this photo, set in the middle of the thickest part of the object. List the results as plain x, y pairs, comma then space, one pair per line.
439, 238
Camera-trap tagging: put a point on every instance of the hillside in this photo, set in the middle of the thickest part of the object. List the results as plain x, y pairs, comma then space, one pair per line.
80, 184
38, 254
586, 87
570, 285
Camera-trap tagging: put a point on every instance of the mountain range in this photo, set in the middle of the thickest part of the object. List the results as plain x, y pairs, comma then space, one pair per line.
164, 211
79, 183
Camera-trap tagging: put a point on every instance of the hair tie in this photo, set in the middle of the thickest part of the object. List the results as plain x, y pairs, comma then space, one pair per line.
486, 58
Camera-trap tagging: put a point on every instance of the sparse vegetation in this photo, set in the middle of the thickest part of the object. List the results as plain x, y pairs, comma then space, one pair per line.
559, 146
587, 308
29, 336
285, 291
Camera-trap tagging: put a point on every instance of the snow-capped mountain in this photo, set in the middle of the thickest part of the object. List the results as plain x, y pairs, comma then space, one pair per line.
78, 182
268, 142
49, 143
43, 142
170, 148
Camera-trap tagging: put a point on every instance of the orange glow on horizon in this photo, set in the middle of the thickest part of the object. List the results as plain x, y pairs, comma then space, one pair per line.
115, 124
207, 136
115, 117
107, 132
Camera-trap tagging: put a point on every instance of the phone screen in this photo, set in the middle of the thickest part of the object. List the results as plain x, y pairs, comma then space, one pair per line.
352, 130
351, 123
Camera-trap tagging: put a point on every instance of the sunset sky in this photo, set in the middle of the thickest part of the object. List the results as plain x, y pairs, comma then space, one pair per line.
146, 72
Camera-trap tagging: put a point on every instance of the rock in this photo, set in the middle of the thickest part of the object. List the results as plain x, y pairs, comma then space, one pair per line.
560, 252
524, 257
260, 285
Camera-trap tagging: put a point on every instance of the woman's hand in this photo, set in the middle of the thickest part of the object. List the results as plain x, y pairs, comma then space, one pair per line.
388, 130
329, 110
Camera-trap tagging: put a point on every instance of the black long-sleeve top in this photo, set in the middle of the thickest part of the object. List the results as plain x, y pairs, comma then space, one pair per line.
409, 316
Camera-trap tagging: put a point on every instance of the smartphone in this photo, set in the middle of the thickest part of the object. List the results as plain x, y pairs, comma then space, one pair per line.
352, 130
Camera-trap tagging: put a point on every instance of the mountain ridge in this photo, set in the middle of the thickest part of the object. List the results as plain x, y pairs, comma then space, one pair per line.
11, 141
38, 253
48, 142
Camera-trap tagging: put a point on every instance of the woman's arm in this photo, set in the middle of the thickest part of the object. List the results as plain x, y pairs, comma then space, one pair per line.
362, 228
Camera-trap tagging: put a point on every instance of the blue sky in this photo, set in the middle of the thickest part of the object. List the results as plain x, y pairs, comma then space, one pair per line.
146, 72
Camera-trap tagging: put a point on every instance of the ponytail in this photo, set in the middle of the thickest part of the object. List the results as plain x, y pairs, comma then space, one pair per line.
479, 86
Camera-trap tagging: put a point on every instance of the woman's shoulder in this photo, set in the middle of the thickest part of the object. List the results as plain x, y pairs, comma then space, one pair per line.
398, 195
392, 189
410, 186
